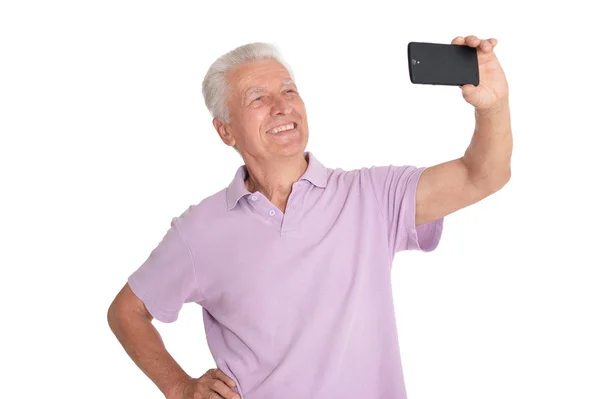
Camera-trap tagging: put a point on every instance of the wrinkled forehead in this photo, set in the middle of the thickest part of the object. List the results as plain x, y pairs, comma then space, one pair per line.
257, 89
257, 76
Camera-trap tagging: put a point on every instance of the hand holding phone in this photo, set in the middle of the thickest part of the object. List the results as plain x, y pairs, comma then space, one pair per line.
442, 64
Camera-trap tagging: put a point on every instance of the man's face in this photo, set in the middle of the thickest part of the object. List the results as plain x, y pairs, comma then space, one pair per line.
262, 97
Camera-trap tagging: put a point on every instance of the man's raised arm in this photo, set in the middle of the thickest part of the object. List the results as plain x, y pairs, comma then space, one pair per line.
485, 166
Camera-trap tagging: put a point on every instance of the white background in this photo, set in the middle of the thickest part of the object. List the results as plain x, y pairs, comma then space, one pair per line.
105, 137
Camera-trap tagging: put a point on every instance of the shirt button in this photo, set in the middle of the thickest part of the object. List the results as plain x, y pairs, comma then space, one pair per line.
254, 198
272, 212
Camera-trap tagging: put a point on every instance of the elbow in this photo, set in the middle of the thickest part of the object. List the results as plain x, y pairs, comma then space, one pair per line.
490, 179
114, 313
110, 315
498, 181
116, 317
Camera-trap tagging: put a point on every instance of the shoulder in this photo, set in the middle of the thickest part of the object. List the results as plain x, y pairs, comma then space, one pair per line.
377, 176
201, 214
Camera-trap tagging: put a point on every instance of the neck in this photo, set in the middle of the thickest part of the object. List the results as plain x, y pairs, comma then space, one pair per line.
274, 177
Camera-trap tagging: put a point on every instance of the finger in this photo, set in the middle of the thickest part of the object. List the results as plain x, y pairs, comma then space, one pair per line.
493, 41
458, 40
472, 41
223, 377
222, 389
468, 90
486, 46
206, 393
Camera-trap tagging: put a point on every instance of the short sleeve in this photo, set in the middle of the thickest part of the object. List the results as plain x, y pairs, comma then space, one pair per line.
167, 280
396, 192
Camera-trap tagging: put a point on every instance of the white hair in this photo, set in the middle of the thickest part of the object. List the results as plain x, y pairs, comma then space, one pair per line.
215, 87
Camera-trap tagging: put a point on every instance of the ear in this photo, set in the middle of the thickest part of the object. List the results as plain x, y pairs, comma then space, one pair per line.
223, 129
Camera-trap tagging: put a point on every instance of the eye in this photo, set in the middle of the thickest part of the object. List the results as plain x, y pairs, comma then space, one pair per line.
257, 98
290, 90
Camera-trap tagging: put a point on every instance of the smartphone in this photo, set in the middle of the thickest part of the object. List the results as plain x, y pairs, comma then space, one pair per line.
442, 64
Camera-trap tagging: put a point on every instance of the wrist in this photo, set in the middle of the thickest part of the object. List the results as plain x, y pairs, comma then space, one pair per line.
176, 390
499, 106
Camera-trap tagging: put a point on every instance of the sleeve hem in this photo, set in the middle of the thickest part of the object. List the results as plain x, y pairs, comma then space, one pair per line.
157, 314
428, 235
424, 237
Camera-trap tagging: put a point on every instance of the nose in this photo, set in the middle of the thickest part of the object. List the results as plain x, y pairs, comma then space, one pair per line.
280, 106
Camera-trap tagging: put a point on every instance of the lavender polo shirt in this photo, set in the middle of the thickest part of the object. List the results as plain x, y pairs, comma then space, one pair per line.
298, 304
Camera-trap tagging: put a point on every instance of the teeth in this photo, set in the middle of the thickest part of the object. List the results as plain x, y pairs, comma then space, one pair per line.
289, 126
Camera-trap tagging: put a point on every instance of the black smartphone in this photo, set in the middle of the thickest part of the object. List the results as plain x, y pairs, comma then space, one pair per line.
442, 64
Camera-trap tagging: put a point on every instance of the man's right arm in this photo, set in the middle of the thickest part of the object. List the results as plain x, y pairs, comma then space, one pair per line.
131, 323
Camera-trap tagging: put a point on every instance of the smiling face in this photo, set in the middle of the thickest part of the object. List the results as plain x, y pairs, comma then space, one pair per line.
262, 97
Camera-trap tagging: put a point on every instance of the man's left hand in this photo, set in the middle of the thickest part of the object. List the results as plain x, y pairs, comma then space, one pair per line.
492, 90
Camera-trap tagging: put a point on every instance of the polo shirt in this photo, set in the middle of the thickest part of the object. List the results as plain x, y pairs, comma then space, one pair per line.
298, 304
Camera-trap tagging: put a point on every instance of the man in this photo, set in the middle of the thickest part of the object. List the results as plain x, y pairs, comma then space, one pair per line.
291, 262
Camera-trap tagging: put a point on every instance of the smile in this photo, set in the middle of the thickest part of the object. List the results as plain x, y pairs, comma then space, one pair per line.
283, 128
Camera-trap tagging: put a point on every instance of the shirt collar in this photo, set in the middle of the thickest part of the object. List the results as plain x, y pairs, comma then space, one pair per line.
316, 173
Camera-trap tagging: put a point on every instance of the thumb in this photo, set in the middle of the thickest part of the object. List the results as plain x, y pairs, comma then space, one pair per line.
468, 90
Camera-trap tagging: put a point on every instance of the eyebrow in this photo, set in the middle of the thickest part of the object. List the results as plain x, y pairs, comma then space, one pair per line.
262, 88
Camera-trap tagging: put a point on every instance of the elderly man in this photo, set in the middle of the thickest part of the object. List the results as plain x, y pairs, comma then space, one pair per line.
291, 262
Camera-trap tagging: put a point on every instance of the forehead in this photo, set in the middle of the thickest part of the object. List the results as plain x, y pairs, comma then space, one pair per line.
256, 75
